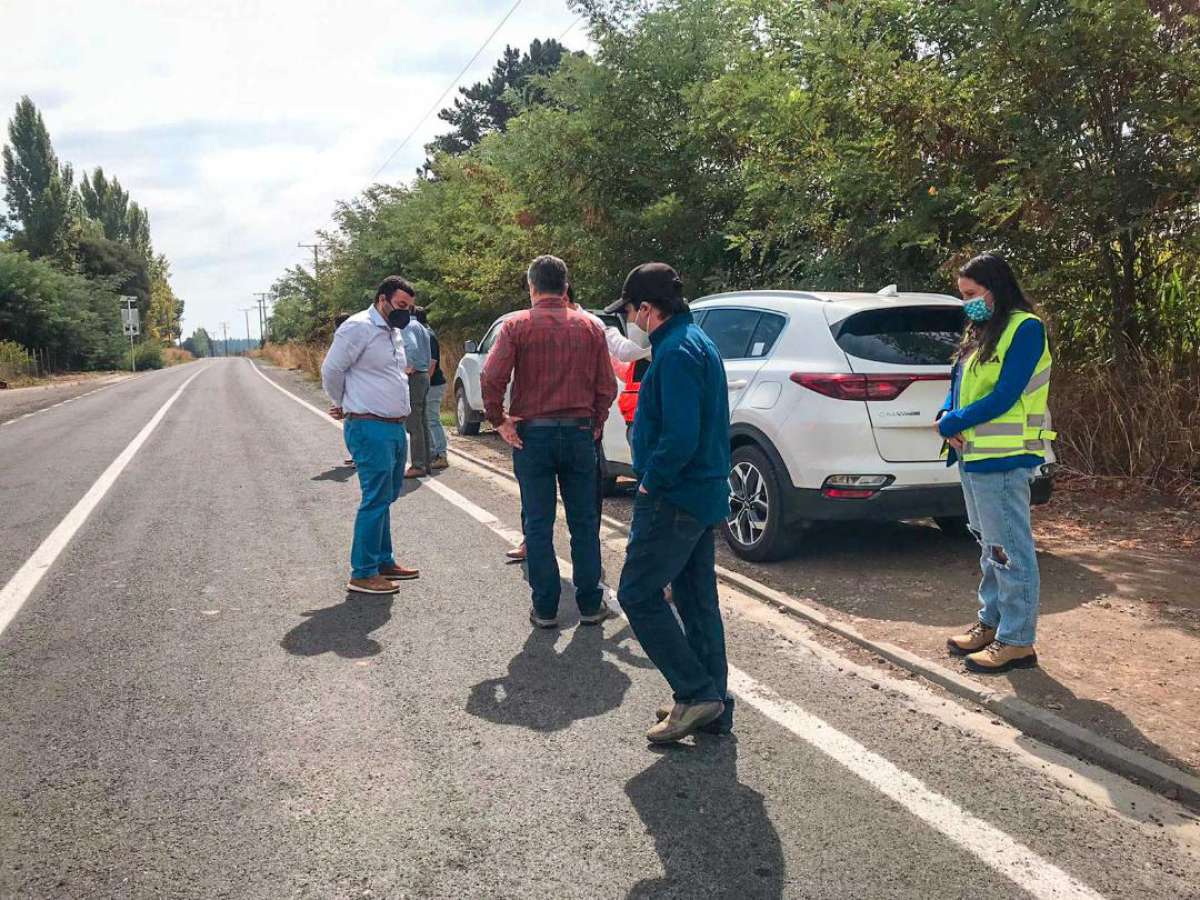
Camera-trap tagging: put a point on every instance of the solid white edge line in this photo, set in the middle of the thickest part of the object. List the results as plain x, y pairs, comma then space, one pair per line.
1007, 856
21, 585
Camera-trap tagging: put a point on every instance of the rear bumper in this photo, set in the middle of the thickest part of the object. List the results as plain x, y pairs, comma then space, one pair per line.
810, 505
891, 504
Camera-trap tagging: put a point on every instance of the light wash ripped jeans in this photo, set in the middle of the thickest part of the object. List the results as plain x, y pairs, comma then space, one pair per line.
998, 509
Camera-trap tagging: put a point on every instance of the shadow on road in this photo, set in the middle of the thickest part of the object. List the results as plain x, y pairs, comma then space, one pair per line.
343, 629
711, 832
337, 473
546, 690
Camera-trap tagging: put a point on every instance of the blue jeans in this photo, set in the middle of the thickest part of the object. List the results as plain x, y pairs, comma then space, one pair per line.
433, 410
567, 456
669, 546
379, 450
998, 509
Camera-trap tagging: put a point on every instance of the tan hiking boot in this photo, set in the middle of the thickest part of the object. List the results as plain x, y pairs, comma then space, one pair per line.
1000, 657
376, 584
685, 719
975, 638
716, 726
440, 462
399, 573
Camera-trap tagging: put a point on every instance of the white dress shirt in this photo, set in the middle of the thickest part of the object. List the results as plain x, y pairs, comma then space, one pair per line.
620, 348
363, 371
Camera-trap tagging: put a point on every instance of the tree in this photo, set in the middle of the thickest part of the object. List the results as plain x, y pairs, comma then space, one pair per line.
199, 344
39, 193
487, 106
165, 309
107, 203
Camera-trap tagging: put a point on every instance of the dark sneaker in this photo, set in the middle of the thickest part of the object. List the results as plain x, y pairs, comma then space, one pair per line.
399, 573
999, 657
974, 638
721, 725
603, 614
376, 584
539, 622
685, 719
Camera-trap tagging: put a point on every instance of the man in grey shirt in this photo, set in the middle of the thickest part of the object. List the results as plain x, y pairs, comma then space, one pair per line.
364, 375
416, 346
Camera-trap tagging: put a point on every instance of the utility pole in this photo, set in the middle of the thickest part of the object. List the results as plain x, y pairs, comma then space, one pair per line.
246, 310
225, 329
262, 318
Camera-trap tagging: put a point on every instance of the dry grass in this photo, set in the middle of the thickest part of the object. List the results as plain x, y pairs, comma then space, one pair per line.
174, 356
299, 357
1142, 424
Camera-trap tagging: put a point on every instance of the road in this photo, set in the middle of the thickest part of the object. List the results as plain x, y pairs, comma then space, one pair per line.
191, 706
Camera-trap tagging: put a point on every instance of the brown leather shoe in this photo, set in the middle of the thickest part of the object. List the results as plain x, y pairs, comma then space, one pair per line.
974, 638
376, 584
414, 472
1000, 657
399, 573
517, 554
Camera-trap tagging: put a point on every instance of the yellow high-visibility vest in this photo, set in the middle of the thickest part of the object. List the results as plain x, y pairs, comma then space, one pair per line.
1025, 428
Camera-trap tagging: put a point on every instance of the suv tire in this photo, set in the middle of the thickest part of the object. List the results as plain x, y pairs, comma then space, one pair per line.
755, 530
464, 423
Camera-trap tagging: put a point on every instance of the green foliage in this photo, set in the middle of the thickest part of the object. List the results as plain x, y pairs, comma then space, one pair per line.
199, 344
45, 308
15, 362
80, 251
845, 144
148, 355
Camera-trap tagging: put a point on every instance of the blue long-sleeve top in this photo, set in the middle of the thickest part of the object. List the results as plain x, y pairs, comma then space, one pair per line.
1019, 362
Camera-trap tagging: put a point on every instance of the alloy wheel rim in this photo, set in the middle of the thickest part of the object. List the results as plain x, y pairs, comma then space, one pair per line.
462, 410
749, 505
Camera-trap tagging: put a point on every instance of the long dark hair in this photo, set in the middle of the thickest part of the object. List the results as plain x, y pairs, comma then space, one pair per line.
991, 271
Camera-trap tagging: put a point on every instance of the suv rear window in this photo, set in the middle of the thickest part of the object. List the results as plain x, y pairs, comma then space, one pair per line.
905, 336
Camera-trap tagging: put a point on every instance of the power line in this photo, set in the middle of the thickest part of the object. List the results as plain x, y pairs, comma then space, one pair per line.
451, 87
570, 28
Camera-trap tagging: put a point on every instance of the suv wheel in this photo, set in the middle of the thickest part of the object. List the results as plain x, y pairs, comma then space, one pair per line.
754, 529
463, 421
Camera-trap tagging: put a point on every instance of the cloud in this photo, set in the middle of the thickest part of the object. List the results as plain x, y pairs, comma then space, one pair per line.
240, 123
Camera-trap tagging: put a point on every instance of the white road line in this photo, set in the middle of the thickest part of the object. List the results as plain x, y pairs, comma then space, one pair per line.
61, 402
21, 585
1009, 857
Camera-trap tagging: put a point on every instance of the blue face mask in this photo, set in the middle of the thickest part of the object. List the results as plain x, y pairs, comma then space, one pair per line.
977, 310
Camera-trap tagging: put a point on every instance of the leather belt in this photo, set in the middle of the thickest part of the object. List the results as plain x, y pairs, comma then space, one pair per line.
558, 423
375, 418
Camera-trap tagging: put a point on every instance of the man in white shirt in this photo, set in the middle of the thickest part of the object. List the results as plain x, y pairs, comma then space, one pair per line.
364, 375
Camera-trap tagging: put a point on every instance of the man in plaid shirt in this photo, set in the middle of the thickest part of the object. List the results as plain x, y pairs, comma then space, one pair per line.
562, 388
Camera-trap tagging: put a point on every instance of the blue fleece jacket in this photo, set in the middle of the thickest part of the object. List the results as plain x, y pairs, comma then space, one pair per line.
680, 437
1020, 361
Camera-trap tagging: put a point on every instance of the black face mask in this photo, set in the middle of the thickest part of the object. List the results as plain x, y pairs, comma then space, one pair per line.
399, 318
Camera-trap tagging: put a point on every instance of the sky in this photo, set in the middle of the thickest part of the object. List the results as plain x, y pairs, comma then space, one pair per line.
238, 124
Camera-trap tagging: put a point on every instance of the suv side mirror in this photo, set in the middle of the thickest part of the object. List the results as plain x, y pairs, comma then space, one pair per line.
471, 347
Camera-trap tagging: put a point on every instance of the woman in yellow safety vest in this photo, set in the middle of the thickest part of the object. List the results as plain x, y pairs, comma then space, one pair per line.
997, 425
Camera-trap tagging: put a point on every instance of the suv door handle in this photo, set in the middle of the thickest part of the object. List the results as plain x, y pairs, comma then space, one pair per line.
738, 385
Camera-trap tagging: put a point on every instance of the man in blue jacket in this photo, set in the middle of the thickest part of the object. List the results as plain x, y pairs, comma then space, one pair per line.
680, 445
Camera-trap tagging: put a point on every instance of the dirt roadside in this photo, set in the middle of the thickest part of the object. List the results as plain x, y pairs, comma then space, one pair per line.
17, 402
1119, 634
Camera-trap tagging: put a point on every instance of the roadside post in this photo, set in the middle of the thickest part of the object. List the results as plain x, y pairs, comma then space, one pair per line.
132, 325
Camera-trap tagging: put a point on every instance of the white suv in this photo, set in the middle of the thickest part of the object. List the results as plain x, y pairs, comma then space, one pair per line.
832, 399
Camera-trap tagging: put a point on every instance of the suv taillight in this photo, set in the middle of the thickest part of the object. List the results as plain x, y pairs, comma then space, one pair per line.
844, 386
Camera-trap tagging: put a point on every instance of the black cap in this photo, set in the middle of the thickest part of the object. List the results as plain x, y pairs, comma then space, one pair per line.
649, 281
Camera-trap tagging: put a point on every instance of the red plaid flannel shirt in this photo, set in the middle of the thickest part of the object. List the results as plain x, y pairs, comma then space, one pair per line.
558, 361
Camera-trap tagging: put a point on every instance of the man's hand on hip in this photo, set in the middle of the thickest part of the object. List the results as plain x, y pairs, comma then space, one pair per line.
508, 430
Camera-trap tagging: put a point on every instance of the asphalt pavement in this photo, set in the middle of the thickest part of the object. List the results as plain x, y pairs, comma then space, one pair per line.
192, 706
